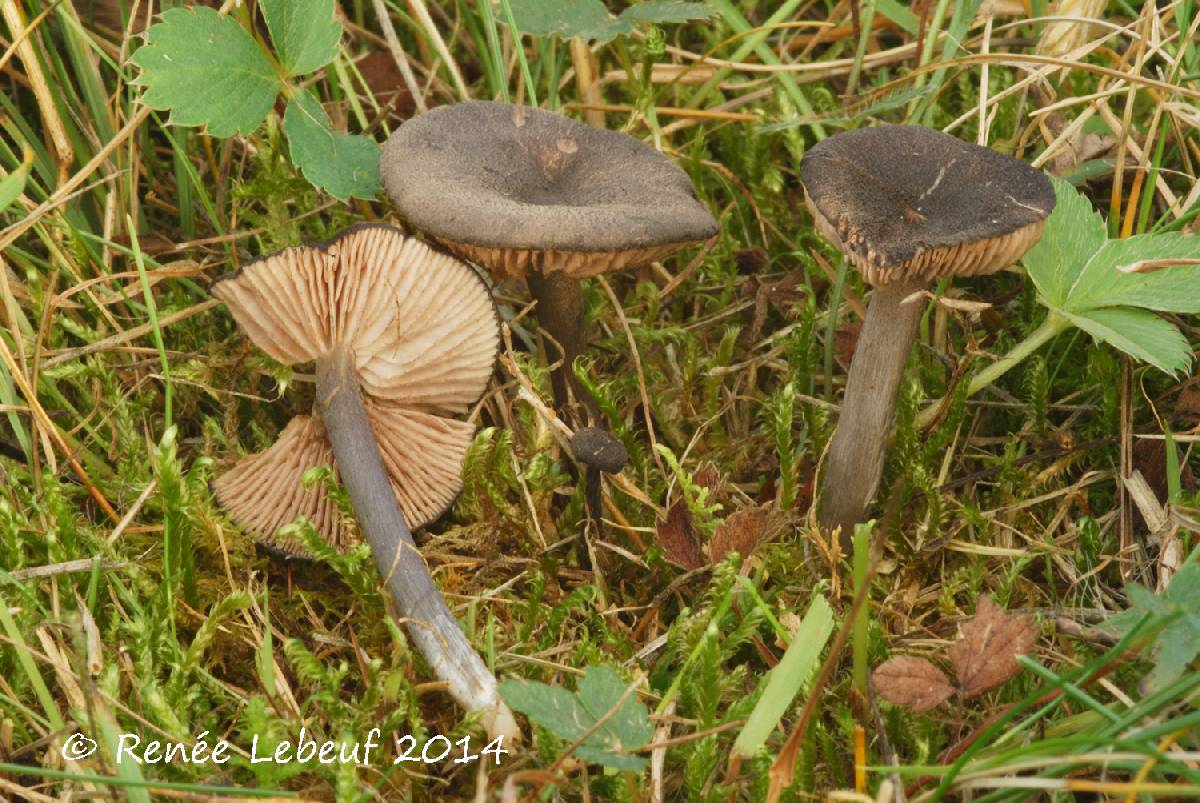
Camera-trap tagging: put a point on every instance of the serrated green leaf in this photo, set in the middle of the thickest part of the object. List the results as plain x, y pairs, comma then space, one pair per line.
1139, 334
1145, 599
1177, 645
208, 71
553, 707
344, 165
1175, 289
569, 716
1076, 267
1184, 588
626, 730
666, 11
1077, 271
305, 33
1073, 233
590, 19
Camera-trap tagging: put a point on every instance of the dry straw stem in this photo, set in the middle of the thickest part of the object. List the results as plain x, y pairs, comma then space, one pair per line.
584, 62
130, 334
1065, 34
421, 12
9, 236
1020, 60
1139, 56
63, 150
22, 35
637, 366
48, 428
398, 55
667, 111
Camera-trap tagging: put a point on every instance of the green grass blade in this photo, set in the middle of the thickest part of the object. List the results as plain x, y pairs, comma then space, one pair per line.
784, 682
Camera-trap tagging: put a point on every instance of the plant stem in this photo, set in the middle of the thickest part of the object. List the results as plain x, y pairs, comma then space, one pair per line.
152, 314
855, 459
530, 87
419, 604
593, 499
860, 638
1053, 325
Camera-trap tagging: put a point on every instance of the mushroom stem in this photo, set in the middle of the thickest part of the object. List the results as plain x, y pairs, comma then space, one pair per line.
418, 602
855, 459
560, 312
593, 500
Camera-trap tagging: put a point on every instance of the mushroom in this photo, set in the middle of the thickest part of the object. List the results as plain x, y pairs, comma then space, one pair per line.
600, 451
528, 193
907, 205
402, 337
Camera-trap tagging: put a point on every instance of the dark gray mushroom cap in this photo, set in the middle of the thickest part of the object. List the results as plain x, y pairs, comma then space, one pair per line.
904, 201
600, 449
483, 176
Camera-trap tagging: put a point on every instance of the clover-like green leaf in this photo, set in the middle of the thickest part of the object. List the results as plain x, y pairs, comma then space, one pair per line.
1072, 235
667, 11
590, 19
570, 716
1140, 334
1177, 645
208, 71
344, 165
305, 33
1103, 283
1082, 276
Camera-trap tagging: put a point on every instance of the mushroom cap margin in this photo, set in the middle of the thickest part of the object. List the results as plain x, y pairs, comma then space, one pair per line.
911, 202
422, 325
498, 177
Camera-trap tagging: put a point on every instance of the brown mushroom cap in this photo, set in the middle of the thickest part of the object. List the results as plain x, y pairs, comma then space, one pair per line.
909, 202
423, 330
515, 189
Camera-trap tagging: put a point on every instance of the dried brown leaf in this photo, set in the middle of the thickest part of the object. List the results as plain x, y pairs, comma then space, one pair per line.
1187, 403
791, 623
741, 532
679, 539
986, 655
786, 292
383, 78
751, 261
911, 682
707, 476
845, 340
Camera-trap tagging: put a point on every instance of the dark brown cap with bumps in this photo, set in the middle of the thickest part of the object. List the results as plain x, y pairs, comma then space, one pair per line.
600, 449
519, 189
908, 202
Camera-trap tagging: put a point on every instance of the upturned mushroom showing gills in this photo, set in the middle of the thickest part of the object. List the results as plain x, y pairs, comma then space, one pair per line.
907, 206
528, 193
402, 337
